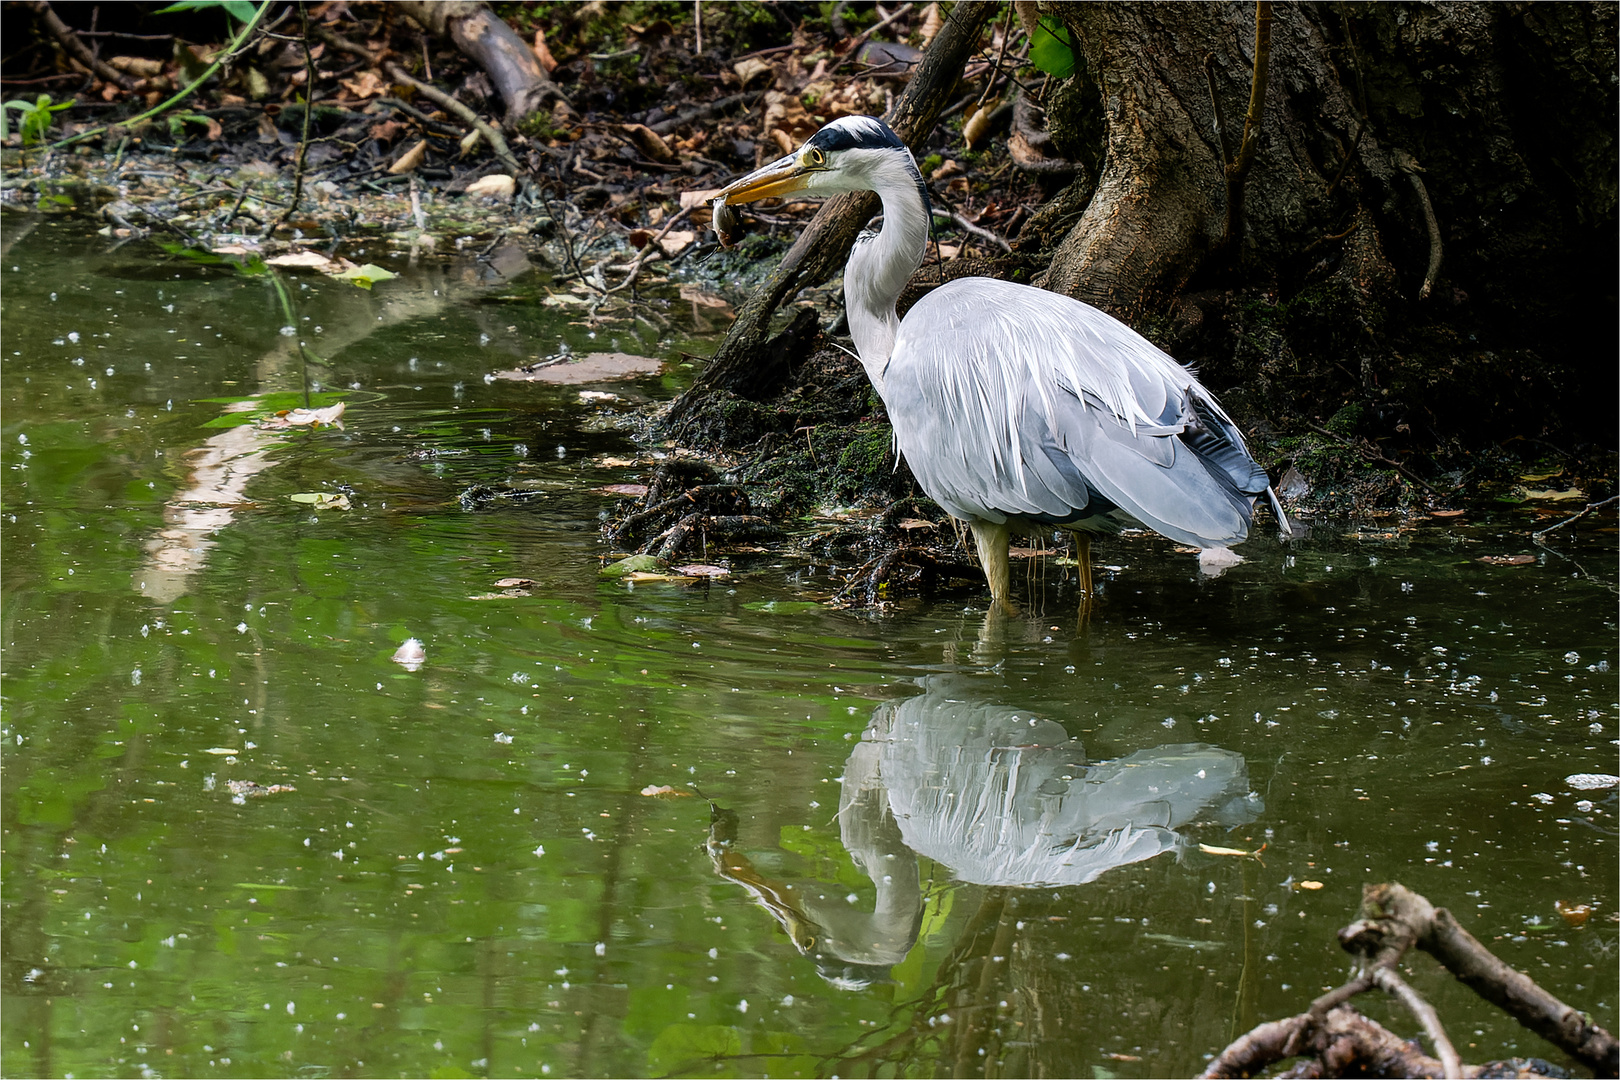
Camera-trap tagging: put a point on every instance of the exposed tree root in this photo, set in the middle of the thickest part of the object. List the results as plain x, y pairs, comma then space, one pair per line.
925, 571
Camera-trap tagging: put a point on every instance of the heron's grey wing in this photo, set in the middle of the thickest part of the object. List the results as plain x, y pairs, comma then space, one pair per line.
1008, 400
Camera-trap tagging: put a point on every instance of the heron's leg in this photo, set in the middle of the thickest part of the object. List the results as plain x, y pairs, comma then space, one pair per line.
991, 541
1082, 558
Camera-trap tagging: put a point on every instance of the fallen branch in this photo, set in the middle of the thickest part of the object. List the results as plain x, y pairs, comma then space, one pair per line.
648, 249
76, 48
225, 54
1536, 536
1389, 982
672, 124
1393, 920
982, 233
497, 141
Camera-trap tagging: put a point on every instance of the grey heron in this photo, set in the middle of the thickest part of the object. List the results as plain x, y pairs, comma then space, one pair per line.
1019, 408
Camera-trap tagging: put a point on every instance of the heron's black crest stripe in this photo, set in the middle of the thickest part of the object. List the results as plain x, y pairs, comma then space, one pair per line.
856, 132
870, 133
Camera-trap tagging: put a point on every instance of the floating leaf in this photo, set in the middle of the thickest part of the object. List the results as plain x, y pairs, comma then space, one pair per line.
701, 570
1312, 886
1507, 560
1555, 496
322, 500
1574, 914
331, 416
633, 490
634, 564
514, 583
664, 791
365, 276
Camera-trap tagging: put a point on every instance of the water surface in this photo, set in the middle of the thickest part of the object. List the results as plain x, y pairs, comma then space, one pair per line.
239, 839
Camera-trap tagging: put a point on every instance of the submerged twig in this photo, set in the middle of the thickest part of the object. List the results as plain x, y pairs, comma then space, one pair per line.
1573, 518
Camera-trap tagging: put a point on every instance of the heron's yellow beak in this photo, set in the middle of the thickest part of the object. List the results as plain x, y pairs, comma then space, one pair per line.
781, 177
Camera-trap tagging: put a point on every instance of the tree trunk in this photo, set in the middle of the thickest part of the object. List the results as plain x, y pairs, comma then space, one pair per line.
1392, 133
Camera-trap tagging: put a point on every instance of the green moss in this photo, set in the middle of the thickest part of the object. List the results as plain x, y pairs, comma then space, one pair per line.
1345, 421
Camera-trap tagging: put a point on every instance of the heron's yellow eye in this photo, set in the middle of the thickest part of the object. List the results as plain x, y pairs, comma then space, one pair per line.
814, 158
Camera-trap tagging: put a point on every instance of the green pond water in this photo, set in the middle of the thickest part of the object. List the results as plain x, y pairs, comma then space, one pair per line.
241, 840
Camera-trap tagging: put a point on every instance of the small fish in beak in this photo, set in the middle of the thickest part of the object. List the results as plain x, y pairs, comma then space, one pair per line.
726, 225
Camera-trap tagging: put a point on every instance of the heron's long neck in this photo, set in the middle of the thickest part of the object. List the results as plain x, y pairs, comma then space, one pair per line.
879, 268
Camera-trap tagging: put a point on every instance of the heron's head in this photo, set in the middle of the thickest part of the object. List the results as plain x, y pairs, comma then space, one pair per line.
853, 153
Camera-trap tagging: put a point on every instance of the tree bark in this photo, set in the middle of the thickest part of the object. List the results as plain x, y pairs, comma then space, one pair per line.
1509, 111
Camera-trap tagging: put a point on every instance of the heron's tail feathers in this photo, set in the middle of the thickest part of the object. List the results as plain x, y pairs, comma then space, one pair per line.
1284, 528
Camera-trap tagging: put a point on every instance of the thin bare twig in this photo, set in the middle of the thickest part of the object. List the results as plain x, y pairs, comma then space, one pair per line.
69, 40
1408, 164
1573, 518
1220, 116
1386, 980
981, 233
1373, 455
309, 108
650, 247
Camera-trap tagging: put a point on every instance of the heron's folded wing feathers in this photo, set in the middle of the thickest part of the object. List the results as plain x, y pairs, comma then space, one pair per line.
1012, 401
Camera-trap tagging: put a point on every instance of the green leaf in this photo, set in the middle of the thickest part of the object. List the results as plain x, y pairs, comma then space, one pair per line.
322, 500
635, 564
365, 276
240, 10
1051, 49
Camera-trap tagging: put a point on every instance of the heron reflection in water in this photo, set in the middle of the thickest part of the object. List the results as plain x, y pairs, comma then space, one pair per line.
1019, 409
997, 795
